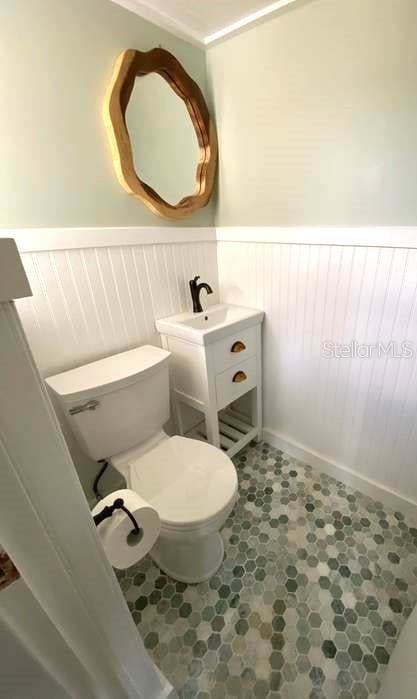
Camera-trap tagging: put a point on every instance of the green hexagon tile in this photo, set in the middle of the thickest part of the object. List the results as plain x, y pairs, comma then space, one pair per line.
316, 584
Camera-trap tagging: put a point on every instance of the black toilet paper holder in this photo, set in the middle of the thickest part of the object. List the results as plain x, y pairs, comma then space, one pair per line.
108, 510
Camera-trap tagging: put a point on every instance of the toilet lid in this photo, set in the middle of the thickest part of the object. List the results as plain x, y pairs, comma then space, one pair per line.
187, 481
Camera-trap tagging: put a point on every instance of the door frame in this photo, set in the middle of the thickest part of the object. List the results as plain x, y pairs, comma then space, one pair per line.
46, 525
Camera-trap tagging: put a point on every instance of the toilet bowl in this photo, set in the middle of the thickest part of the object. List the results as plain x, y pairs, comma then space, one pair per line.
117, 407
193, 487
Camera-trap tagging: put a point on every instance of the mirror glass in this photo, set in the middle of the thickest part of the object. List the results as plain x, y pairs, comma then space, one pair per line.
164, 143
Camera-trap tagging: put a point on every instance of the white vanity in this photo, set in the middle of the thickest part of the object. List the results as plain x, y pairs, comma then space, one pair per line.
216, 359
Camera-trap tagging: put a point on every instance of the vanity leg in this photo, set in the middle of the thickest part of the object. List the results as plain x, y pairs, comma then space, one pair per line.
212, 426
176, 409
256, 409
257, 392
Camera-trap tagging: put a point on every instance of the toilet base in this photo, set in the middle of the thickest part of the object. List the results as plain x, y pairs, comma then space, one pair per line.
189, 561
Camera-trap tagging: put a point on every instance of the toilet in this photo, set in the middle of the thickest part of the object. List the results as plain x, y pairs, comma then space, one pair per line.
116, 408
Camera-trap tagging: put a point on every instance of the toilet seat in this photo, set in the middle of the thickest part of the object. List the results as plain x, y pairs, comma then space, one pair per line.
190, 483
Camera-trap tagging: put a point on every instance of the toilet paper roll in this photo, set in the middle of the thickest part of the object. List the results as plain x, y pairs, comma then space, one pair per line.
124, 549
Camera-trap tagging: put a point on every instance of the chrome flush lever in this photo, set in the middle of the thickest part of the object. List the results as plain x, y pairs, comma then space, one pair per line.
90, 405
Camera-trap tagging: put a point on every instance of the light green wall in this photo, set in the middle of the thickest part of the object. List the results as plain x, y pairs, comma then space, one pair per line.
317, 116
56, 59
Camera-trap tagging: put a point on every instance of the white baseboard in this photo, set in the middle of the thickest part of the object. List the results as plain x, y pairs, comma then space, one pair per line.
388, 497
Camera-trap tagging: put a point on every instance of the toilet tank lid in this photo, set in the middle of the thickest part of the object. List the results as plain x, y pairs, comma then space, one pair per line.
108, 374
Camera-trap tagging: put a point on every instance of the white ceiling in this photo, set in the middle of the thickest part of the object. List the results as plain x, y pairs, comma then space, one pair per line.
203, 21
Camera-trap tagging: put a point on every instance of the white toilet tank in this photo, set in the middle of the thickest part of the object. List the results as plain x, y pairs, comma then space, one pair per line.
118, 402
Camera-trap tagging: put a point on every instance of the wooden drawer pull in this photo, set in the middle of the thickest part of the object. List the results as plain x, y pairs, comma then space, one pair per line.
239, 377
238, 346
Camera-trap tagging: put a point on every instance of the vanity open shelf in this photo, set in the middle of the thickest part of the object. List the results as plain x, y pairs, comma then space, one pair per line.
235, 431
216, 359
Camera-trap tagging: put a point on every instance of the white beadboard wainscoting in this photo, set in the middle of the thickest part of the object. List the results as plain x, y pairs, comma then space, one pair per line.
99, 291
95, 294
92, 299
355, 418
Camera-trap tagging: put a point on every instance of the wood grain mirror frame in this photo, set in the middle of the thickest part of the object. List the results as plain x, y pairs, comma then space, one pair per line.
129, 66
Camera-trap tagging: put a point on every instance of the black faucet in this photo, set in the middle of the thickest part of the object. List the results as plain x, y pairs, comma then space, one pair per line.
195, 293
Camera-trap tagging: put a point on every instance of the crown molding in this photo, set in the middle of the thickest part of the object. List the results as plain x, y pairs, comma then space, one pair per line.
183, 31
162, 20
245, 22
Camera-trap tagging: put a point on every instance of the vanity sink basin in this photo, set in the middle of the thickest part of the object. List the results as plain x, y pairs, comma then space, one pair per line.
210, 325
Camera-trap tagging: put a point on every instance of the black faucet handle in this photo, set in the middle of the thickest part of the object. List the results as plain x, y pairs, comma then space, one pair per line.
195, 279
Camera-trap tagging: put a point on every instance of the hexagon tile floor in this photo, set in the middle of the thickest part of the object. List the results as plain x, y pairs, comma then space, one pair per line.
316, 584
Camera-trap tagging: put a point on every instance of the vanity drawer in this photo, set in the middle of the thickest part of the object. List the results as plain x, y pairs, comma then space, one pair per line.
235, 381
234, 349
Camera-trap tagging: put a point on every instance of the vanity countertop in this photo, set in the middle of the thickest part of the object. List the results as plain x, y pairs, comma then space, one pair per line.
211, 325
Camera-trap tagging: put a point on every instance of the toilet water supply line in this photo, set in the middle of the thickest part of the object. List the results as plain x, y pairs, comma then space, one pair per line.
98, 477
118, 504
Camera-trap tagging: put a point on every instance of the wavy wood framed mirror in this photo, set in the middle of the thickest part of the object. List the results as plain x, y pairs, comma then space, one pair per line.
164, 151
